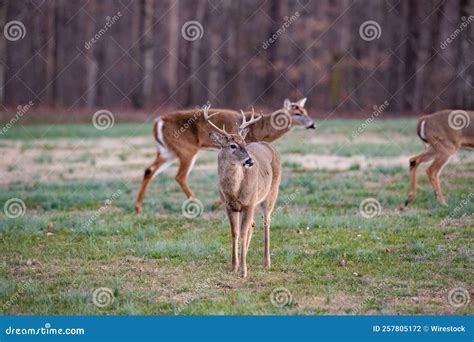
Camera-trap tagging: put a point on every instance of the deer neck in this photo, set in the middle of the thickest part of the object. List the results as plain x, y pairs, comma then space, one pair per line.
231, 178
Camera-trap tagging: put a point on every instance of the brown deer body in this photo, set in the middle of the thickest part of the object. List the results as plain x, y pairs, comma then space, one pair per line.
444, 133
182, 134
249, 175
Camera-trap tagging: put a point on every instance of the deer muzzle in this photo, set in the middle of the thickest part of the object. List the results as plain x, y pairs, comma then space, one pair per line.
249, 162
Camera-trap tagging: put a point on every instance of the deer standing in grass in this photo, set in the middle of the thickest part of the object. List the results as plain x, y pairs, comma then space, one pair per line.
182, 134
444, 133
249, 175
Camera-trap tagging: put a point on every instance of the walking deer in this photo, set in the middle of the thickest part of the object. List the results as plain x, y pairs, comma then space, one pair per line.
180, 136
444, 133
249, 175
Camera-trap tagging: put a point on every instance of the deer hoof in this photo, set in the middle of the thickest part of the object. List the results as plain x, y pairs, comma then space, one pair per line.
443, 203
138, 209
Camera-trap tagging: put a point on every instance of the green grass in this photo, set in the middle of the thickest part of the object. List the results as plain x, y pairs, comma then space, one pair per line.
330, 258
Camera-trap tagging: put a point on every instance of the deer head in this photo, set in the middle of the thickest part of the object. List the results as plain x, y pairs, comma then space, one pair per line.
299, 115
233, 146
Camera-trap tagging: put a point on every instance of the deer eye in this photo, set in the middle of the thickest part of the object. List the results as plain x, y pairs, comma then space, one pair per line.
294, 107
233, 146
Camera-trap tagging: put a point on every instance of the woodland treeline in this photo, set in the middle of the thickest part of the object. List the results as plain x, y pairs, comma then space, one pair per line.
133, 53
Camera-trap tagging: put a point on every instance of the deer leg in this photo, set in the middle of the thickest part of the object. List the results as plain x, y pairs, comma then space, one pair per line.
217, 203
246, 221
158, 165
433, 172
252, 226
415, 161
234, 227
186, 163
266, 233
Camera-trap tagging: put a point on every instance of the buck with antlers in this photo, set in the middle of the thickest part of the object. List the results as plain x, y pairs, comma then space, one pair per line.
182, 134
444, 133
249, 175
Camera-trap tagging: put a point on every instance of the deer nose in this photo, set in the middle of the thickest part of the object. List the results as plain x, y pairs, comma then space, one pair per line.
249, 162
312, 126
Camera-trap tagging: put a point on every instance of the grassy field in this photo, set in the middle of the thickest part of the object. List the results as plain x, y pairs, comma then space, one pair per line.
328, 257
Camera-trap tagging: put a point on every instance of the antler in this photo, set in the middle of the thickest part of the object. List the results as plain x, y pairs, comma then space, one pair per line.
206, 112
207, 117
245, 123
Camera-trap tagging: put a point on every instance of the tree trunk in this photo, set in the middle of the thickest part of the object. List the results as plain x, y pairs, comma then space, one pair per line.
147, 51
3, 51
90, 77
174, 36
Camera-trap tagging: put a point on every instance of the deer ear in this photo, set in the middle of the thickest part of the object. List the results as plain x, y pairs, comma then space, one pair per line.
302, 102
287, 104
217, 138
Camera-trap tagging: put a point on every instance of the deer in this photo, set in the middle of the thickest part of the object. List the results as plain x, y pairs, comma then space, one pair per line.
444, 134
249, 176
181, 135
